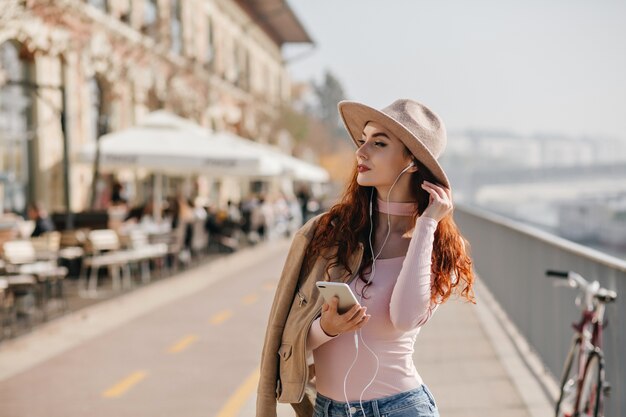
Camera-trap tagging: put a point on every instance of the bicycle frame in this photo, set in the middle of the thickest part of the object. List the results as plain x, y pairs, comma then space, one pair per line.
589, 331
587, 340
593, 317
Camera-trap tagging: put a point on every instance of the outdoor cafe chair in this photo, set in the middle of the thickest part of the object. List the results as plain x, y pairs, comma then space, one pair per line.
104, 250
16, 291
47, 245
21, 259
6, 309
176, 250
143, 252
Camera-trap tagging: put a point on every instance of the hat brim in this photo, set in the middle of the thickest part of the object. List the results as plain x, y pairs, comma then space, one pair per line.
356, 115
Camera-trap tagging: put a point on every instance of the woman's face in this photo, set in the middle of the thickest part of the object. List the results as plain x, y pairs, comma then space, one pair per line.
381, 157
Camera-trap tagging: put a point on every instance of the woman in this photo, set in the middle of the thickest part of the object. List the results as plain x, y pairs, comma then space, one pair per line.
393, 239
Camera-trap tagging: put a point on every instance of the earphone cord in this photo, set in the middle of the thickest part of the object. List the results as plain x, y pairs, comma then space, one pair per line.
360, 335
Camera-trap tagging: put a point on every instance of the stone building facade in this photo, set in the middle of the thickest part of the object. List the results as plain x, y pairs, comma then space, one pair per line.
106, 63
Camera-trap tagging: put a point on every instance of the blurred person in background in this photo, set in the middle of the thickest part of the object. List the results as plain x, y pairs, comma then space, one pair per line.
170, 211
234, 214
211, 225
142, 217
118, 195
138, 212
393, 240
181, 217
187, 217
258, 220
303, 196
245, 208
282, 216
221, 230
43, 222
296, 219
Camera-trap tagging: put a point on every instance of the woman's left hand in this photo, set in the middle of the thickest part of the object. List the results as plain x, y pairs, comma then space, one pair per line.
440, 203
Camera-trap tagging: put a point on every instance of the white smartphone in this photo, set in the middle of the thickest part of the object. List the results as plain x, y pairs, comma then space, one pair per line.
339, 289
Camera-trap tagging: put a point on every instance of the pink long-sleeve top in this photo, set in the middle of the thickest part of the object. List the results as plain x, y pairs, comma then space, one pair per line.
398, 301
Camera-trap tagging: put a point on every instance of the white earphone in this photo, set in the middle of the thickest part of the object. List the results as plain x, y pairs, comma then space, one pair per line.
412, 164
358, 334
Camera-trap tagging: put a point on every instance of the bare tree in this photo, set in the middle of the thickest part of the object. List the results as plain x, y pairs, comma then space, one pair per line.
329, 92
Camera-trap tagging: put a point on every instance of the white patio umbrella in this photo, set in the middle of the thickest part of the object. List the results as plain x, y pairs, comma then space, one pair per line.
271, 163
169, 144
305, 171
291, 166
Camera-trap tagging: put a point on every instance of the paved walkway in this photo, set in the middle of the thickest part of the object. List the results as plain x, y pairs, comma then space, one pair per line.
463, 353
470, 364
468, 374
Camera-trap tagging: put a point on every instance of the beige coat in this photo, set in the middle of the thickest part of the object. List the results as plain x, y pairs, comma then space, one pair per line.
297, 303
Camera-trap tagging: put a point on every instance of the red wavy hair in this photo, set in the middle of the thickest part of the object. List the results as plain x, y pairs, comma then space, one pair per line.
340, 230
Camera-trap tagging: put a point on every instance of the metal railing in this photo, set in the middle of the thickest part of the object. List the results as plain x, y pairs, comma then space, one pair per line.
511, 259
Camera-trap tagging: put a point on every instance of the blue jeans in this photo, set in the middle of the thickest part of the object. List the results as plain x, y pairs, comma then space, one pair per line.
418, 402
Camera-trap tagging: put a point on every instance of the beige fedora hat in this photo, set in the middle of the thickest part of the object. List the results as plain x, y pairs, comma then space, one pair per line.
418, 127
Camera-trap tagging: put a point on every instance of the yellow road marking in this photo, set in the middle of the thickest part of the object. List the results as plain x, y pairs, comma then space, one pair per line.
250, 299
124, 385
182, 344
221, 317
239, 398
269, 285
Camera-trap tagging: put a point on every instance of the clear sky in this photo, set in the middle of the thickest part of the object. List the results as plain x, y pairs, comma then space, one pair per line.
556, 66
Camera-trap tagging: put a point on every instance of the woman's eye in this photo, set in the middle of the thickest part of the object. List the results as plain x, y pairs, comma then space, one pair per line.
361, 142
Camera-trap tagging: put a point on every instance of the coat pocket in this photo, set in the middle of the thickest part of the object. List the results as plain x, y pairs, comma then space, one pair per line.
285, 351
286, 365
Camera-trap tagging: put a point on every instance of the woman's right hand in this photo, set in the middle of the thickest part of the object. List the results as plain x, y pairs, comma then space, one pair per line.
334, 323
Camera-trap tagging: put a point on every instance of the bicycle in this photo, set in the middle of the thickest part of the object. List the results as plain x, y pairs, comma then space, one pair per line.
583, 384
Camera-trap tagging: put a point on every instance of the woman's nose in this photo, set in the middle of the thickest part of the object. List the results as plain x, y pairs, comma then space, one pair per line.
361, 152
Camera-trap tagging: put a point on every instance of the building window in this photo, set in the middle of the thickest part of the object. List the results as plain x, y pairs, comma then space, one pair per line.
99, 4
99, 114
266, 80
176, 27
233, 72
278, 88
16, 127
210, 46
150, 25
246, 70
154, 102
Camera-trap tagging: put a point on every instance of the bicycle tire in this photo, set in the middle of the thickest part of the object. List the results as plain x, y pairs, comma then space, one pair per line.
568, 385
591, 394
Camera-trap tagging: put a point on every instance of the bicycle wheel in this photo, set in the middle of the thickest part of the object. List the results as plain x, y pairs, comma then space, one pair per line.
590, 402
566, 404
